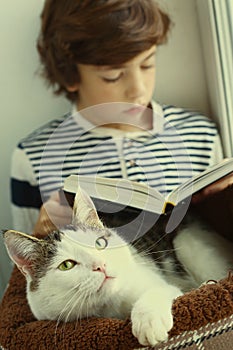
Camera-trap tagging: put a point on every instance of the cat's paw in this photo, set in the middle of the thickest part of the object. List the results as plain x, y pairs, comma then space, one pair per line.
151, 327
152, 319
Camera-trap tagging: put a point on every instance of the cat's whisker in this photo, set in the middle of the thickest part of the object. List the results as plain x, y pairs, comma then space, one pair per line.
60, 319
153, 254
67, 305
142, 249
154, 245
75, 288
166, 270
88, 304
72, 304
77, 299
142, 238
150, 252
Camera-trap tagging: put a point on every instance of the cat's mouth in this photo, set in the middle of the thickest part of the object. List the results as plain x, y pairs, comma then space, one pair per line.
106, 280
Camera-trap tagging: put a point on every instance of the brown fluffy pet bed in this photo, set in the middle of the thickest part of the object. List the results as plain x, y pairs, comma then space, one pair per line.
209, 307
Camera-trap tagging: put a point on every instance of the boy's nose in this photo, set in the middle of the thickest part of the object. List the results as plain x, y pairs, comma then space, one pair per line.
135, 88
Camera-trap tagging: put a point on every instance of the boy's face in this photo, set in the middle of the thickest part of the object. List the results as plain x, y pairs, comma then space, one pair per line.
132, 82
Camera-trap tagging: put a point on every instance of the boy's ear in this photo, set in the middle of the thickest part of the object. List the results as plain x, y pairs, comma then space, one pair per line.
84, 211
22, 249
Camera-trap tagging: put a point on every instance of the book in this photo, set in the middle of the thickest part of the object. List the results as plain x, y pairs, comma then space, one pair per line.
121, 200
139, 195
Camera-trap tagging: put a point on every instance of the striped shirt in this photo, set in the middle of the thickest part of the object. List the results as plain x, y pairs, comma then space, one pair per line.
180, 145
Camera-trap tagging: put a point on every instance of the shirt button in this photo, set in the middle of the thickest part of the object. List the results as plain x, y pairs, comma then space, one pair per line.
132, 162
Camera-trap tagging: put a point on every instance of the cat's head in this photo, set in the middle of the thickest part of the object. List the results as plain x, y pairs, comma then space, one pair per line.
72, 272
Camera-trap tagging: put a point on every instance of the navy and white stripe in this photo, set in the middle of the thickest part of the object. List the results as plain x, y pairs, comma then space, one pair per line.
187, 145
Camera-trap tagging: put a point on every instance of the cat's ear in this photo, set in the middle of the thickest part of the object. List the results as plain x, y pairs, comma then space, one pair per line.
22, 249
84, 211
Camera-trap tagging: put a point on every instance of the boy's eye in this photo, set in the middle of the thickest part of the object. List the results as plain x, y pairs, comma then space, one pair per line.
111, 80
150, 63
67, 265
148, 66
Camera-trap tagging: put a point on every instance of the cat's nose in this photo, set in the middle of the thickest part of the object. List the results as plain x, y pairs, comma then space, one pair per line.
99, 268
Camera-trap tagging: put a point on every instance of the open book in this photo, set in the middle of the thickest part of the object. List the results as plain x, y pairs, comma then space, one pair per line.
141, 196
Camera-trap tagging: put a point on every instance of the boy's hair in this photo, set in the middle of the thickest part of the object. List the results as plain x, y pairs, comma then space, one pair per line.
96, 32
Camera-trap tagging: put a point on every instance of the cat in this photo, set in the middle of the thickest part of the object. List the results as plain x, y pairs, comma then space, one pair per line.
87, 269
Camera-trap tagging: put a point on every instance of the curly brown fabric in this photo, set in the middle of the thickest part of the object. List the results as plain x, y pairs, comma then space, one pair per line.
20, 330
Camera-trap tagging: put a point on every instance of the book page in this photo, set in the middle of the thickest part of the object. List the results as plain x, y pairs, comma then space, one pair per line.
121, 191
199, 182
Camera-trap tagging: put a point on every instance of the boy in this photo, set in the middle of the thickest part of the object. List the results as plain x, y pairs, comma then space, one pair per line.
101, 53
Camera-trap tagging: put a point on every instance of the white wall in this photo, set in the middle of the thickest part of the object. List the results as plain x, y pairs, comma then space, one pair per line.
26, 103
181, 76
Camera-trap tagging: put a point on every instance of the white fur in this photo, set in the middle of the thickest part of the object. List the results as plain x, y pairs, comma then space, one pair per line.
137, 288
205, 254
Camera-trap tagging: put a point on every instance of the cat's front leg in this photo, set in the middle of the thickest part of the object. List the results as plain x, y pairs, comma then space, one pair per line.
151, 315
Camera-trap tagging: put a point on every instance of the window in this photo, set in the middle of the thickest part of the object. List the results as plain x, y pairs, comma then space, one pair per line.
216, 22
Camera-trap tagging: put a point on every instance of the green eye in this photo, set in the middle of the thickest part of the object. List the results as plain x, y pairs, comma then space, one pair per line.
67, 265
101, 243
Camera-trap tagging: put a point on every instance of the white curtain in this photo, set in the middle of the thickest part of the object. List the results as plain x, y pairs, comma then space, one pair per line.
216, 22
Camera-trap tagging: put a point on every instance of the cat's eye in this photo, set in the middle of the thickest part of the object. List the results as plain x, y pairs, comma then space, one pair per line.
101, 243
67, 265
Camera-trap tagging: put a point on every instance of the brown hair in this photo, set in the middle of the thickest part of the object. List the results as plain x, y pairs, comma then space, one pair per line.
97, 32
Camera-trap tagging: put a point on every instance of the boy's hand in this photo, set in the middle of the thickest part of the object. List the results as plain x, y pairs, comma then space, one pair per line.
52, 216
213, 188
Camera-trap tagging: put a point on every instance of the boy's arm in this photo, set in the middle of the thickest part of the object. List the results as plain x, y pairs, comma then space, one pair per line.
25, 194
29, 213
214, 188
52, 216
216, 156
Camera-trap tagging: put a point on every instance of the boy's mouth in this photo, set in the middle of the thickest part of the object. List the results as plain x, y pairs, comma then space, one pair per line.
135, 110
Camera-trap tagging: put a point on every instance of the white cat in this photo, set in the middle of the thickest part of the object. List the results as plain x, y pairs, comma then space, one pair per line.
87, 270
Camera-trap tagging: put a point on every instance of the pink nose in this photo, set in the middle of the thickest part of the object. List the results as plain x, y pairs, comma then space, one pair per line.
99, 268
